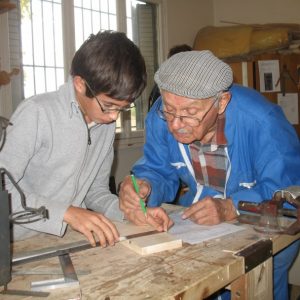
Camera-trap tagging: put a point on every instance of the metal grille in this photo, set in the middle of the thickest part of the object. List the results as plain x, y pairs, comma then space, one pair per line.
42, 49
93, 15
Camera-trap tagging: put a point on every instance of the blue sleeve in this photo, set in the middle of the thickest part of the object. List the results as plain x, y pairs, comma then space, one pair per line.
155, 165
273, 151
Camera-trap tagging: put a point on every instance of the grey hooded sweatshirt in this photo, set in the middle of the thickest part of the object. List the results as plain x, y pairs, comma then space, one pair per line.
47, 152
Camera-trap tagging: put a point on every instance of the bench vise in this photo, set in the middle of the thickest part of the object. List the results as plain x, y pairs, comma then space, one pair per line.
265, 215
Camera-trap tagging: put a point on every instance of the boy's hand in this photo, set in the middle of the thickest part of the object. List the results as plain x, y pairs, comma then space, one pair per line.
93, 225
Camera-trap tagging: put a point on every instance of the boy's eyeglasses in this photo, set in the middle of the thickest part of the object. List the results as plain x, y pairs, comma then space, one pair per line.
109, 110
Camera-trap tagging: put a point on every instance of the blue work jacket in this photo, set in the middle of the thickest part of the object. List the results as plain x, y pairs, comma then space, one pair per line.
262, 147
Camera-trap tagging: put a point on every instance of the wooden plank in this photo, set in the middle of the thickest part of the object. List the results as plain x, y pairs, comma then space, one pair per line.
238, 73
291, 61
153, 243
256, 284
282, 241
147, 244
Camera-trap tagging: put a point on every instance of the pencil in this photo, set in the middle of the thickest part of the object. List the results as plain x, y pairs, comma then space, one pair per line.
136, 188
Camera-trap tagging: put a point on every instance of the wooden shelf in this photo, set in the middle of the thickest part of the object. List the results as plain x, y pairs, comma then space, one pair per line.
6, 6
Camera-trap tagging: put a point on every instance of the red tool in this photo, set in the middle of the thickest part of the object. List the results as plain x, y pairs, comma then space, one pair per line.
265, 214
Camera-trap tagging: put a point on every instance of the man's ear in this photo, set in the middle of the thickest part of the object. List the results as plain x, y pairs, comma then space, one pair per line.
223, 102
79, 85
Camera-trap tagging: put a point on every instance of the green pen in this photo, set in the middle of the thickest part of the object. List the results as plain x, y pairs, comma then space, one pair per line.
136, 188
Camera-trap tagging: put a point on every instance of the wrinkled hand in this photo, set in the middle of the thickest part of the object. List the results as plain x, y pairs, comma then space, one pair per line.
211, 211
156, 216
93, 225
128, 198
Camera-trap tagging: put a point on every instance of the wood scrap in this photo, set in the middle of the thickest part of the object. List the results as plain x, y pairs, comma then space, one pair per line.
5, 6
5, 76
144, 245
153, 243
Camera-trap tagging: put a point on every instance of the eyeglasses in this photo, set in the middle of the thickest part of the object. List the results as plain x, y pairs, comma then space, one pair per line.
109, 110
187, 120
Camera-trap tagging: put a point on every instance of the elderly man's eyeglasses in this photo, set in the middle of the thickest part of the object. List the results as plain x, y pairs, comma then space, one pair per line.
187, 120
108, 110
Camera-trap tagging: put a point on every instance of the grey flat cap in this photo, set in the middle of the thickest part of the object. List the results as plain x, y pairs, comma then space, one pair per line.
194, 74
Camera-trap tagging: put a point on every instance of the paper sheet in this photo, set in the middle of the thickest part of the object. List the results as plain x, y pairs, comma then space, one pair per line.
289, 104
193, 233
269, 75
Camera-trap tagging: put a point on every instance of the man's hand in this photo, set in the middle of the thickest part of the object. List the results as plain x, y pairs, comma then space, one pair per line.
128, 197
93, 225
211, 211
156, 216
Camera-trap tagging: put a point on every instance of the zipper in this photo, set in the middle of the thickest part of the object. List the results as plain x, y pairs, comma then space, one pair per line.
89, 140
89, 135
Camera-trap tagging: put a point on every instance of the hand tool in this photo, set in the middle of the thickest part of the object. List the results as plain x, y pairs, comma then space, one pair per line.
265, 214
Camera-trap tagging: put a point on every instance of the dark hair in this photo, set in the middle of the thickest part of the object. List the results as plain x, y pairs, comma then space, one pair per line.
111, 64
178, 49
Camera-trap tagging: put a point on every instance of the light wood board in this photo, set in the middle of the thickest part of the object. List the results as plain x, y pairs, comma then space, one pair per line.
153, 243
149, 244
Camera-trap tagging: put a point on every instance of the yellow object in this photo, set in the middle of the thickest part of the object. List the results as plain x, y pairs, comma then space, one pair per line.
224, 41
229, 41
270, 38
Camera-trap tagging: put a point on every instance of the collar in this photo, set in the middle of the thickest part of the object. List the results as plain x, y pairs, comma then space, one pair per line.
219, 138
74, 108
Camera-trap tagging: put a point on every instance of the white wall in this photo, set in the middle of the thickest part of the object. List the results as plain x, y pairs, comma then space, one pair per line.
256, 11
185, 18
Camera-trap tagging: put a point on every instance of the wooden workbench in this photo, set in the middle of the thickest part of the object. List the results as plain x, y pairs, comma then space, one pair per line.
190, 272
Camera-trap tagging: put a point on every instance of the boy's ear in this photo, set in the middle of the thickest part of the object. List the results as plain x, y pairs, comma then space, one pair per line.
79, 85
223, 102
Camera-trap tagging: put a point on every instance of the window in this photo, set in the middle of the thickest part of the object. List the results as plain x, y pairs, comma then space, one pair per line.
91, 15
141, 24
52, 30
42, 48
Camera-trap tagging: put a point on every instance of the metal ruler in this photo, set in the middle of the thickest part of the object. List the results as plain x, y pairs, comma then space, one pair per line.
44, 253
70, 277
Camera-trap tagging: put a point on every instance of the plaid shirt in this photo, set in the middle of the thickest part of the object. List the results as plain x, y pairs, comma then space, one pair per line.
210, 160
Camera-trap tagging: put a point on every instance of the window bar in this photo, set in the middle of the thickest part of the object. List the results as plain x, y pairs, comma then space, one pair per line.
54, 44
100, 14
44, 54
91, 18
32, 43
108, 13
82, 20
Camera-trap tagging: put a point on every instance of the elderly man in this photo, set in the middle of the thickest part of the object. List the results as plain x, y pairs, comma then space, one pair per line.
225, 142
